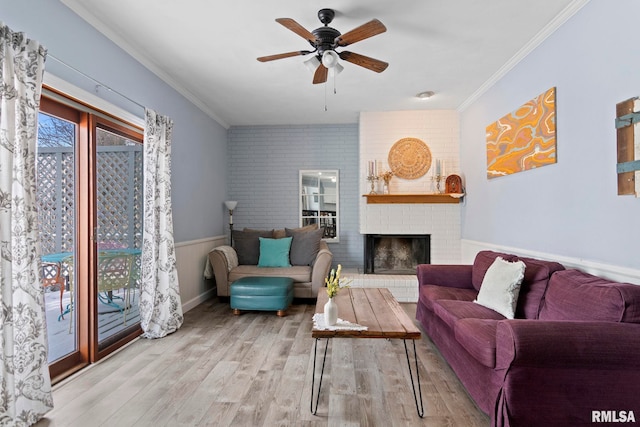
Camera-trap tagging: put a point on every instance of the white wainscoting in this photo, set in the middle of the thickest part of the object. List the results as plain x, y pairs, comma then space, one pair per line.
191, 258
612, 272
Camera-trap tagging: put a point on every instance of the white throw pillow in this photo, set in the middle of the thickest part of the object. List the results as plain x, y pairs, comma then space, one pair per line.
501, 286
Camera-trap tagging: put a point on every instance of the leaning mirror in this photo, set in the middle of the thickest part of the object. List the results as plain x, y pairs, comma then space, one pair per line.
319, 201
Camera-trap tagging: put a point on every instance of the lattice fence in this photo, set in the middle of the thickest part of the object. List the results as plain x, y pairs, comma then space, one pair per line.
119, 197
119, 191
55, 195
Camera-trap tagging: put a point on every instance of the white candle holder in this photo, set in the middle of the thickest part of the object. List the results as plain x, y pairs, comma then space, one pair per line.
373, 179
438, 178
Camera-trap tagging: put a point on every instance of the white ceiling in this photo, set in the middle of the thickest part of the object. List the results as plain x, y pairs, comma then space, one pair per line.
207, 50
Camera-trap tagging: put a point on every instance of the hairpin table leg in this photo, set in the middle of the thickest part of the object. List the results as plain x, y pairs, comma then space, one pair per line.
313, 378
419, 408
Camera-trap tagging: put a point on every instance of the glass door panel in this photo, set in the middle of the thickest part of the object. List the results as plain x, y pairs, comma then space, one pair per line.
56, 197
119, 234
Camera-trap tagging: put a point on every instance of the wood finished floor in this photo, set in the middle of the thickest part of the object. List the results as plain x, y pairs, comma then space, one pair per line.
255, 370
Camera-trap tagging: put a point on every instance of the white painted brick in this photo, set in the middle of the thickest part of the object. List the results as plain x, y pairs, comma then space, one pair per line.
439, 129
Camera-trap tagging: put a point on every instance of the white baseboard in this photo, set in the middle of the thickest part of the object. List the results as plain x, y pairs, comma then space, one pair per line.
612, 272
191, 257
194, 302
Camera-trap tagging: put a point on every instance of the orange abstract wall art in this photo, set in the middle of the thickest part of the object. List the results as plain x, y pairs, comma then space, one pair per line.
524, 139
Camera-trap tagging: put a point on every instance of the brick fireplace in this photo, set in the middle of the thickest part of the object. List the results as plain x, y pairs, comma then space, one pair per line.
439, 129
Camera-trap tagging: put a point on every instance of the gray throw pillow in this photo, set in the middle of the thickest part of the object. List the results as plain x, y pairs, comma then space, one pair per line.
247, 245
304, 246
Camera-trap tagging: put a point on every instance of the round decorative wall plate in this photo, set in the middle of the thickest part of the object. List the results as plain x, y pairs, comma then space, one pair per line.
409, 158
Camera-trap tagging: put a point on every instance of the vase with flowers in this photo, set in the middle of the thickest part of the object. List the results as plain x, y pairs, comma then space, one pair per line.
386, 177
334, 283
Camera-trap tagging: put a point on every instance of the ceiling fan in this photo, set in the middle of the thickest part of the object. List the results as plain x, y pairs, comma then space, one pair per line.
325, 40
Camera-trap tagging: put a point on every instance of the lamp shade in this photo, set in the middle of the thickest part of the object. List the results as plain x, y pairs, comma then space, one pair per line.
312, 63
336, 69
329, 59
231, 204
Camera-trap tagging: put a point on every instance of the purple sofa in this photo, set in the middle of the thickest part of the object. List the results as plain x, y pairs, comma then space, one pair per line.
573, 348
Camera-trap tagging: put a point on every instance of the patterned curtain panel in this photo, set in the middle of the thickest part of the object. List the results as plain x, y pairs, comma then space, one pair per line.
24, 372
160, 305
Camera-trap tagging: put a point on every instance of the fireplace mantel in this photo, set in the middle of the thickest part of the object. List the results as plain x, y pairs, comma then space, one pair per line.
412, 198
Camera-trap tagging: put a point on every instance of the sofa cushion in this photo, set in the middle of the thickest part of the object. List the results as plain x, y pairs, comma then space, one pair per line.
576, 295
247, 245
452, 311
431, 293
279, 233
262, 232
305, 245
300, 274
478, 337
274, 252
534, 285
481, 264
501, 286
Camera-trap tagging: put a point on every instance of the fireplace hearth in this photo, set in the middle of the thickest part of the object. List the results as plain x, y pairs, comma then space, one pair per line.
396, 253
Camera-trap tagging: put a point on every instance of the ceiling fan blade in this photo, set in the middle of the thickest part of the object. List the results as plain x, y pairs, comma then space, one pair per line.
297, 28
364, 61
320, 75
283, 55
364, 31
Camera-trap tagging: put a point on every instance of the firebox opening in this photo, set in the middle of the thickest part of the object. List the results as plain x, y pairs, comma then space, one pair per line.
396, 254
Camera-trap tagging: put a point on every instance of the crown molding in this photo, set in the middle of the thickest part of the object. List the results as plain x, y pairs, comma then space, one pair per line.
79, 9
541, 36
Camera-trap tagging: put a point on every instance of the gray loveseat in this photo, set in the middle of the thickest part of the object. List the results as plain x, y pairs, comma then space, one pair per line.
310, 260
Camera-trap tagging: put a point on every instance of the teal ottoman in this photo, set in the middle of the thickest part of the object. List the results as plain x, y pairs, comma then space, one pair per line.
262, 293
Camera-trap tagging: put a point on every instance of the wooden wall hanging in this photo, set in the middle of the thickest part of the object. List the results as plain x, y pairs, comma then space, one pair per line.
628, 135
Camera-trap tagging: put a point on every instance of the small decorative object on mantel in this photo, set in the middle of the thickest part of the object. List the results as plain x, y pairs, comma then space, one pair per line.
409, 158
372, 175
386, 177
453, 184
334, 284
439, 175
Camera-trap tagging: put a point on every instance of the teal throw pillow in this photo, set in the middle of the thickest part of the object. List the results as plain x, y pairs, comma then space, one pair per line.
274, 252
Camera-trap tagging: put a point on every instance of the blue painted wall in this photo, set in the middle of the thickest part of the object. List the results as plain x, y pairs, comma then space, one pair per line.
264, 164
199, 142
570, 208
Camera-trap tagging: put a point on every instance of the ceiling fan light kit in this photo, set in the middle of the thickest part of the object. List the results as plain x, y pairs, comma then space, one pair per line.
325, 40
336, 69
312, 63
329, 58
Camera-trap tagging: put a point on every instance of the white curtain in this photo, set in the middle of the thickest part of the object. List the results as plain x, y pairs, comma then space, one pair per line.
160, 305
25, 386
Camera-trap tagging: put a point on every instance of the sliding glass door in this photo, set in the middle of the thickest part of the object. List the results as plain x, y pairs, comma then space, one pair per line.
119, 231
58, 131
89, 170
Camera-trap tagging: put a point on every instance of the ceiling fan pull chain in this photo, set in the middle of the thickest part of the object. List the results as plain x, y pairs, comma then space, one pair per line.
325, 96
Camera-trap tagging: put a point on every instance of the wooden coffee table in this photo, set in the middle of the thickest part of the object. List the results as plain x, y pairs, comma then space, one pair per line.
378, 310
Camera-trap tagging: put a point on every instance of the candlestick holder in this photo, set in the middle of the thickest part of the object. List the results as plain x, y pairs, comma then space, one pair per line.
437, 178
372, 179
